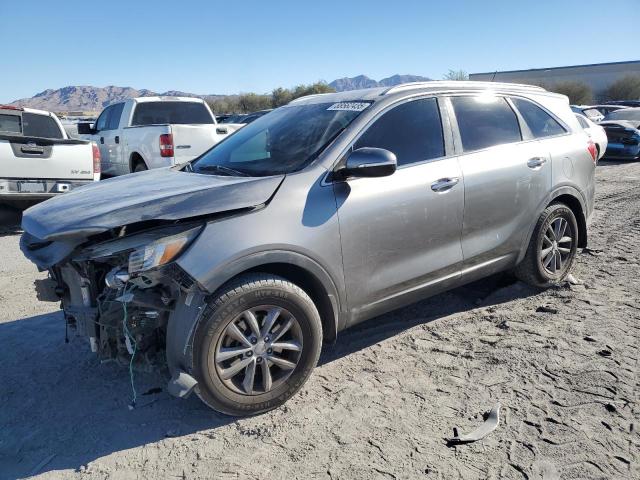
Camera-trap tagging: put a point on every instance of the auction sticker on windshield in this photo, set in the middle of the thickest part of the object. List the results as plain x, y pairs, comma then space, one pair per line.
349, 106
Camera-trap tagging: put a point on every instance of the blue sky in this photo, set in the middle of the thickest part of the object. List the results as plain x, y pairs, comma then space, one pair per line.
239, 46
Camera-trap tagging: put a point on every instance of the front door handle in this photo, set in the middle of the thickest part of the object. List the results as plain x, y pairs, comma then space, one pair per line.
117, 139
444, 184
102, 140
536, 162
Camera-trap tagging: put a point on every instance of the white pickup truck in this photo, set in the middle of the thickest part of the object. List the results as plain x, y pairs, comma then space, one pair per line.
38, 159
152, 132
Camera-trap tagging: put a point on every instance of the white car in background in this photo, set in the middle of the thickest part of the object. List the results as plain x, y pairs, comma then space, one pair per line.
152, 132
38, 159
595, 132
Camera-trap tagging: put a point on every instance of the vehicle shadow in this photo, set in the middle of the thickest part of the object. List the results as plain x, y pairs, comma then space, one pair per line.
62, 408
10, 218
491, 291
611, 161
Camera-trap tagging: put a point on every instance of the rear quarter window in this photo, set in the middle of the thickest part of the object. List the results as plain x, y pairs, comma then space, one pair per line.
10, 123
156, 113
540, 122
485, 121
36, 125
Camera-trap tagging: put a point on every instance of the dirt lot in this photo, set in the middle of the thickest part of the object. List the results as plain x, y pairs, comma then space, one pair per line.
384, 397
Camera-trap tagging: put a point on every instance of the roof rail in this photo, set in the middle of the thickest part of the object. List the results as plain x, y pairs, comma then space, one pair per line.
305, 97
459, 85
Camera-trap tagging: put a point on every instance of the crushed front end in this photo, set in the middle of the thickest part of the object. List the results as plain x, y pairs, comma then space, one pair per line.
120, 288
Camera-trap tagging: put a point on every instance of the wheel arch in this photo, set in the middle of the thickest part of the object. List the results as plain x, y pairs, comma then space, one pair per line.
572, 198
578, 210
298, 269
134, 159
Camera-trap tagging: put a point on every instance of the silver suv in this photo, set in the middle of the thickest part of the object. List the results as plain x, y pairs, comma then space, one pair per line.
233, 268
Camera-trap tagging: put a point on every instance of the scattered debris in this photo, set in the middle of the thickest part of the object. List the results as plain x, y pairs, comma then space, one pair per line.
604, 353
589, 339
573, 280
489, 425
592, 251
547, 309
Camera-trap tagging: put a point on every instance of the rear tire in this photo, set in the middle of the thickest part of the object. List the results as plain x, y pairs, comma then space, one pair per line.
552, 248
256, 346
140, 166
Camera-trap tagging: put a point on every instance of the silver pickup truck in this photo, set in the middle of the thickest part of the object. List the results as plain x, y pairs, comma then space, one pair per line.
38, 159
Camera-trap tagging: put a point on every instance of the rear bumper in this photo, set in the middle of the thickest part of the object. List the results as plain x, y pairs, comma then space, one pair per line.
36, 188
622, 152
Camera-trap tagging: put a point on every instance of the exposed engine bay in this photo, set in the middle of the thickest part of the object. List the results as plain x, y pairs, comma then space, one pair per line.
120, 292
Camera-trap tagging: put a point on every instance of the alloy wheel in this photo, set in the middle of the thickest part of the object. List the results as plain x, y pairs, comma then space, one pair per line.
258, 350
556, 246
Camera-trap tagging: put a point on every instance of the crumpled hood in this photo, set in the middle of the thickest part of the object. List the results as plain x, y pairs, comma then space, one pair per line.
161, 194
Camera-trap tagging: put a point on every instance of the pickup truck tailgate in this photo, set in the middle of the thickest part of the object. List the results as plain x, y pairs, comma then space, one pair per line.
45, 158
190, 141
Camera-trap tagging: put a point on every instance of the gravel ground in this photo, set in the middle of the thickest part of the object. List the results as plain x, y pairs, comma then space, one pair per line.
383, 399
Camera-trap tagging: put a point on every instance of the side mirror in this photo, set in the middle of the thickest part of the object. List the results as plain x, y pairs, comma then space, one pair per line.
369, 162
86, 129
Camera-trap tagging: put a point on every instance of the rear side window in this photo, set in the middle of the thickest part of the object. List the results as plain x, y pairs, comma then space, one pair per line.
539, 122
583, 123
154, 113
10, 123
102, 122
413, 131
114, 116
34, 125
485, 121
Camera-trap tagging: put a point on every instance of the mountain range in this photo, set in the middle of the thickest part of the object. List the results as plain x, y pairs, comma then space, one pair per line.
88, 98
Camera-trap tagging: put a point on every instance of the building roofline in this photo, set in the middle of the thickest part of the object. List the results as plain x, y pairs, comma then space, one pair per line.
557, 68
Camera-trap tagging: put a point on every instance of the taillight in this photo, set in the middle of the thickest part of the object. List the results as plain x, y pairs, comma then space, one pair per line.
11, 107
591, 147
166, 145
96, 158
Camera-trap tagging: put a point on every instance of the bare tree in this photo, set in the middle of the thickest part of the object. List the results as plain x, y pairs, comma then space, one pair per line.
579, 93
626, 88
456, 75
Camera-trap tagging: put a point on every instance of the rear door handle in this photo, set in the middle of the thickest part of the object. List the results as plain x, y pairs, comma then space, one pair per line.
117, 139
536, 162
444, 184
102, 140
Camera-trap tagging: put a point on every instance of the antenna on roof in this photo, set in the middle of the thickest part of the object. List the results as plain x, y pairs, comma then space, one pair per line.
494, 75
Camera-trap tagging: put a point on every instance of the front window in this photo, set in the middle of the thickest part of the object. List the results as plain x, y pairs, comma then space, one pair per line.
282, 141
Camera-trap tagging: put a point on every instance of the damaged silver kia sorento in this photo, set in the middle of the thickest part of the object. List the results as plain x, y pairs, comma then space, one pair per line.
232, 269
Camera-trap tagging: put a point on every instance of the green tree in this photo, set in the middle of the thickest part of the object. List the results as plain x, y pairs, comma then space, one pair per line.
456, 75
579, 93
252, 102
626, 88
280, 96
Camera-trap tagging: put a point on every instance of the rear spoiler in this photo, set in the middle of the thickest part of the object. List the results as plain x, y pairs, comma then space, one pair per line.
42, 140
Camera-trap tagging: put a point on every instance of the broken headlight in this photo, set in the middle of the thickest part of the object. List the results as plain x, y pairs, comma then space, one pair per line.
146, 250
160, 252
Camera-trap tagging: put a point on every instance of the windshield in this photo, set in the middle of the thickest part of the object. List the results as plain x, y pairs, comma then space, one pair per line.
625, 114
282, 141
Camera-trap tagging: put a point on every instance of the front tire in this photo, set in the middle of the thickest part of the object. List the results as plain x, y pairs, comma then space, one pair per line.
256, 346
552, 248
